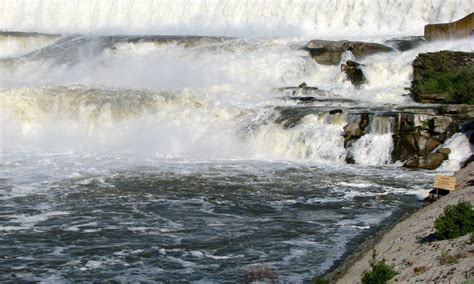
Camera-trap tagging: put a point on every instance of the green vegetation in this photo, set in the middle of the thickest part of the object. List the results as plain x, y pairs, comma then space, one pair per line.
456, 87
446, 258
456, 220
321, 280
380, 273
444, 76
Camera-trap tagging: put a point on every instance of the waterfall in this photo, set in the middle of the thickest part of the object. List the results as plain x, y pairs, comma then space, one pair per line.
375, 147
229, 17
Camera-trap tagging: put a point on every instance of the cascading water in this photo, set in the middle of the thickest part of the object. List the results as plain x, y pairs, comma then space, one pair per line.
163, 140
242, 18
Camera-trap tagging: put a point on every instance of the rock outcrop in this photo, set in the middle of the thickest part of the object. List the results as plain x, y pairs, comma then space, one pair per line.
353, 131
418, 133
443, 77
354, 72
417, 137
330, 52
459, 29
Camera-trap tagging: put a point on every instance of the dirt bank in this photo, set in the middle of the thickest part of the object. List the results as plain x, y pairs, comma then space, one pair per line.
410, 248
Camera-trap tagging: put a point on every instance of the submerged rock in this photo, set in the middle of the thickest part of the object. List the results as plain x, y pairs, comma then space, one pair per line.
302, 90
405, 43
443, 77
328, 52
354, 72
459, 29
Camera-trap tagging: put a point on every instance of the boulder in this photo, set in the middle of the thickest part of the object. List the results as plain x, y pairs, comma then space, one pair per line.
302, 85
427, 144
354, 131
459, 29
431, 161
354, 72
443, 77
328, 52
444, 151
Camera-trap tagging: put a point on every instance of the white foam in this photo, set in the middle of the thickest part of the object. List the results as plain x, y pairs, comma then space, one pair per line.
29, 221
246, 17
461, 150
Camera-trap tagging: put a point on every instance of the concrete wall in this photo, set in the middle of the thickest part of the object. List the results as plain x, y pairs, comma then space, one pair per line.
458, 29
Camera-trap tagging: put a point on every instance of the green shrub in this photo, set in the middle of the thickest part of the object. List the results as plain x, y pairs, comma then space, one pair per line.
380, 273
456, 220
446, 258
321, 280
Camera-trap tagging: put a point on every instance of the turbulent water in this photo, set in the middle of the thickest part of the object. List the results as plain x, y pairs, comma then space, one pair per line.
149, 140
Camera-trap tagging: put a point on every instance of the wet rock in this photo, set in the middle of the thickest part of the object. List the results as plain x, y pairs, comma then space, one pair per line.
462, 28
429, 162
426, 144
302, 91
354, 72
442, 124
302, 85
406, 43
334, 111
467, 162
418, 135
405, 147
443, 77
354, 131
444, 151
330, 52
468, 126
306, 99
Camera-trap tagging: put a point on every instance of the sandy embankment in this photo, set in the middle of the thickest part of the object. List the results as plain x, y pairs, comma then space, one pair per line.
410, 248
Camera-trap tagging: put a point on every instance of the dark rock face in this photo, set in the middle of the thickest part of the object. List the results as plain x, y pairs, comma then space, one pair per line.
459, 29
443, 77
354, 72
334, 111
329, 52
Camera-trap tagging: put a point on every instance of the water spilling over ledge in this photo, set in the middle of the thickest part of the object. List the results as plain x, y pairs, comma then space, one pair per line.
167, 142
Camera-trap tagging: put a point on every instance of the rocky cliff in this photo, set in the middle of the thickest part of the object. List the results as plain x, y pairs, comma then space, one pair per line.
443, 77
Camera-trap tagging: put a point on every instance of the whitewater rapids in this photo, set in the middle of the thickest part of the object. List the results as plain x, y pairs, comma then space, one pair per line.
151, 140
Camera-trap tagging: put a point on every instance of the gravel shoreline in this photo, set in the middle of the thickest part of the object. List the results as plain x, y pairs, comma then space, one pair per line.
408, 245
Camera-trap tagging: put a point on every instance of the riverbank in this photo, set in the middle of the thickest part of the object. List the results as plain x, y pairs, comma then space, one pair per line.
409, 247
